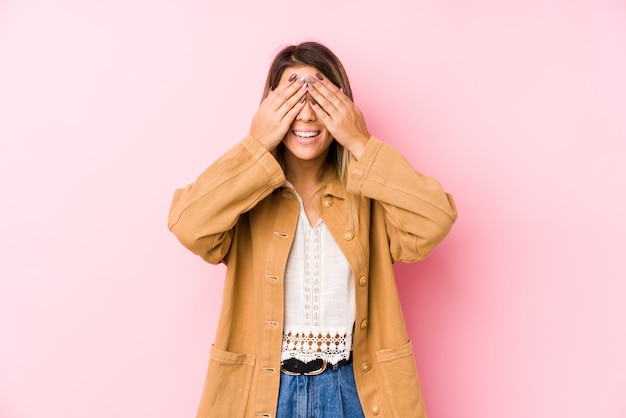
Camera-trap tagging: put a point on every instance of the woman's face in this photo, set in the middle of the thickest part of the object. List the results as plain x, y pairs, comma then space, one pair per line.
307, 138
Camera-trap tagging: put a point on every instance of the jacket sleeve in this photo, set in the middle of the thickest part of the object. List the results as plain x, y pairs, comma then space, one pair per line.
418, 212
203, 215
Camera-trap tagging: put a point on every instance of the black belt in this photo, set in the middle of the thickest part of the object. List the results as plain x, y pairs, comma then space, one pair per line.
295, 367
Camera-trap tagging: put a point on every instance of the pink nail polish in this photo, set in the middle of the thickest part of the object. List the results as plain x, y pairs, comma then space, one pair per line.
310, 80
318, 75
313, 102
301, 79
292, 77
303, 99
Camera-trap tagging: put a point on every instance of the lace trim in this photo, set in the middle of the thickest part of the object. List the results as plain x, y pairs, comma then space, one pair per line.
312, 276
311, 345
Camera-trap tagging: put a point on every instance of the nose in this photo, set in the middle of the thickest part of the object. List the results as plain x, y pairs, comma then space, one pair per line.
306, 113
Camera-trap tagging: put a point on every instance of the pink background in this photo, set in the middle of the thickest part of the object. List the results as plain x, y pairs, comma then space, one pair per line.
518, 107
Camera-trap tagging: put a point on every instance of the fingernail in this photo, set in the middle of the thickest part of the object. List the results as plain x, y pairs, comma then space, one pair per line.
292, 77
301, 80
303, 99
310, 80
318, 75
313, 102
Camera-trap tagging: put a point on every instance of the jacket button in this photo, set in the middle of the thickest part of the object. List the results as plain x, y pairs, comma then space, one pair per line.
363, 280
327, 202
365, 366
364, 324
375, 410
348, 235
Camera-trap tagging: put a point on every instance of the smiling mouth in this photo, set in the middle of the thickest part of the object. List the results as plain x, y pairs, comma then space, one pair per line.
306, 134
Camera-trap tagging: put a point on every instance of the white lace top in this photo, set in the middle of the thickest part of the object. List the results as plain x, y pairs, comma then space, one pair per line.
319, 297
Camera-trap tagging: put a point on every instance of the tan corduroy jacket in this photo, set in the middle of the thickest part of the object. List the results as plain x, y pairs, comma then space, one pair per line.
240, 212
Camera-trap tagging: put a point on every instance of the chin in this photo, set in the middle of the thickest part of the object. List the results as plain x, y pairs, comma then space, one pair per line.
305, 152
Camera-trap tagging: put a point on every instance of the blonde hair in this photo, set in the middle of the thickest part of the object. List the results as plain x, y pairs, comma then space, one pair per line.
323, 59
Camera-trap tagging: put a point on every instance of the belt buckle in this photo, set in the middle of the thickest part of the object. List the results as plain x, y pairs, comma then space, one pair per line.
318, 371
287, 372
313, 373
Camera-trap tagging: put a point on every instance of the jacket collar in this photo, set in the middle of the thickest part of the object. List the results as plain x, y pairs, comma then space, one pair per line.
334, 188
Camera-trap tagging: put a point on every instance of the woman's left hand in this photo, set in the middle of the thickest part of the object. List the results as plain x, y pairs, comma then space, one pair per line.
340, 116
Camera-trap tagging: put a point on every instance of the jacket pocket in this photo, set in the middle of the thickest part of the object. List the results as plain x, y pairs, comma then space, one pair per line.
401, 381
227, 384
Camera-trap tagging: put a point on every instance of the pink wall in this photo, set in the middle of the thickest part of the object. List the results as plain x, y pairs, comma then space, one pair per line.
518, 107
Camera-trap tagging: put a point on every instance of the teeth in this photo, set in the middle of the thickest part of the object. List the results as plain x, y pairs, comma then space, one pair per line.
306, 134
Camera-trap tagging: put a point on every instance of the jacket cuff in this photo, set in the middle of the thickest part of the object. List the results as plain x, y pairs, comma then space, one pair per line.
266, 159
359, 169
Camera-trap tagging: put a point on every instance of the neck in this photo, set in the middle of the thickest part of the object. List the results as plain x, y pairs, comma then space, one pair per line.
304, 173
305, 178
305, 182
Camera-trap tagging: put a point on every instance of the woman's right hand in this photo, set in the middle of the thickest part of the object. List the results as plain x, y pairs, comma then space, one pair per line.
277, 111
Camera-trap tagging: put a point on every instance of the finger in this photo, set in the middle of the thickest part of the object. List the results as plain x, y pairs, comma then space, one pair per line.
332, 106
323, 107
298, 97
320, 112
291, 114
284, 92
330, 92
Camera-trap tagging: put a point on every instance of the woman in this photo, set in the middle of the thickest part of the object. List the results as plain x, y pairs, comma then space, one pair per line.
309, 212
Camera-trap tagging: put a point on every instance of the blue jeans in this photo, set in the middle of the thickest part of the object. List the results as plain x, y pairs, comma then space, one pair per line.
331, 394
